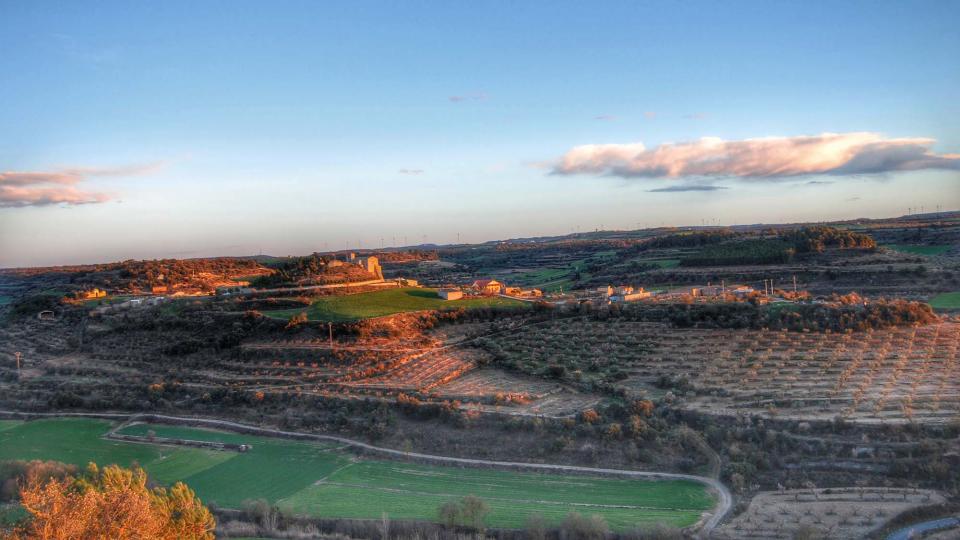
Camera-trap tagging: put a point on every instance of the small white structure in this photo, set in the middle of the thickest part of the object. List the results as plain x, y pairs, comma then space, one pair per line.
46, 315
450, 294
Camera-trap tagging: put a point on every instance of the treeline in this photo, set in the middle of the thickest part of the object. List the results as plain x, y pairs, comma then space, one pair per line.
311, 268
695, 239
780, 249
164, 271
817, 239
834, 316
756, 251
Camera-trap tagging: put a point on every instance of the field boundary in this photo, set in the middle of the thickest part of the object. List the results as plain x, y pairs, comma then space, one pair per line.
724, 497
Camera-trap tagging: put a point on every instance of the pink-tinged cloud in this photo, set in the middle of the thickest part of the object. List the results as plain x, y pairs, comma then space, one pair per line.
15, 196
19, 189
773, 157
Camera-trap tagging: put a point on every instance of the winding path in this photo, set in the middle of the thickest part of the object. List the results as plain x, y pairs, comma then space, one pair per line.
724, 498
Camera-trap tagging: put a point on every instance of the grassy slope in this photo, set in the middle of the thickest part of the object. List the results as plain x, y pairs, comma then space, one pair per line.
919, 249
415, 491
78, 441
287, 472
387, 302
950, 300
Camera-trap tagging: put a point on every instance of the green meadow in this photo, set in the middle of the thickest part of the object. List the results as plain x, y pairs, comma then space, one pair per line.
354, 307
950, 300
322, 480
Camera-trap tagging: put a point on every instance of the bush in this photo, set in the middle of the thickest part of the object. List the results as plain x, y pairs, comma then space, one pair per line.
579, 527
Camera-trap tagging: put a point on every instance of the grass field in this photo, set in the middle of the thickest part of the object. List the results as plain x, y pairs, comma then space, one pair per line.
919, 249
950, 300
354, 307
321, 480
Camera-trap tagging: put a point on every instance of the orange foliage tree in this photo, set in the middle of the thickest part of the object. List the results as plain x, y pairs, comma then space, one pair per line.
110, 503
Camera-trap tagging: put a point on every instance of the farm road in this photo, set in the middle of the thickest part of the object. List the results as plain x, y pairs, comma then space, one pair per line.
724, 497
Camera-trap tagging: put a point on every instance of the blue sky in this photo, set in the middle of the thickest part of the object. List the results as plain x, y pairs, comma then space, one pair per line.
227, 128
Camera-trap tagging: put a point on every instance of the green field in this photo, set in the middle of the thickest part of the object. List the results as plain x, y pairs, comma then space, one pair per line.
4, 299
321, 480
354, 307
950, 300
916, 249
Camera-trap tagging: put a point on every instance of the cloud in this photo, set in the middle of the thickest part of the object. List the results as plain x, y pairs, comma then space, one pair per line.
696, 116
694, 187
410, 171
475, 96
817, 183
649, 115
43, 188
838, 154
605, 117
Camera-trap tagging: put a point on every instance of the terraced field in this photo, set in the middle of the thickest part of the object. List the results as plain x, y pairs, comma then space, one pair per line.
896, 374
917, 249
354, 307
322, 480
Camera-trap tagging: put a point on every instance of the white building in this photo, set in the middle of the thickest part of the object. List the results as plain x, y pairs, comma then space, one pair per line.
450, 294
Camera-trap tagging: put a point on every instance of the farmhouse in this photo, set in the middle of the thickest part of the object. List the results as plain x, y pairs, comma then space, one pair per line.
159, 289
486, 286
629, 294
45, 315
450, 294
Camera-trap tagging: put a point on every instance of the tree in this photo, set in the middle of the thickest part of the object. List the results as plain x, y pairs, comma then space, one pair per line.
449, 513
473, 510
579, 527
536, 527
296, 320
110, 503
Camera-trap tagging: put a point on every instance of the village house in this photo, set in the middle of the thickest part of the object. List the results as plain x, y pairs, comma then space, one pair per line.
159, 289
629, 294
450, 294
486, 286
46, 315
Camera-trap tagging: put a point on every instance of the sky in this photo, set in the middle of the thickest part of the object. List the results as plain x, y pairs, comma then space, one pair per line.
189, 129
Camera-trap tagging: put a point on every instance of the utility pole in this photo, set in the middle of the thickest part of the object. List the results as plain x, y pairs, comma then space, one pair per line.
794, 284
17, 354
330, 329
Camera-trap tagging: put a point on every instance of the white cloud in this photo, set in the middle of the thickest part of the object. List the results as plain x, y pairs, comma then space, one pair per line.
772, 157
